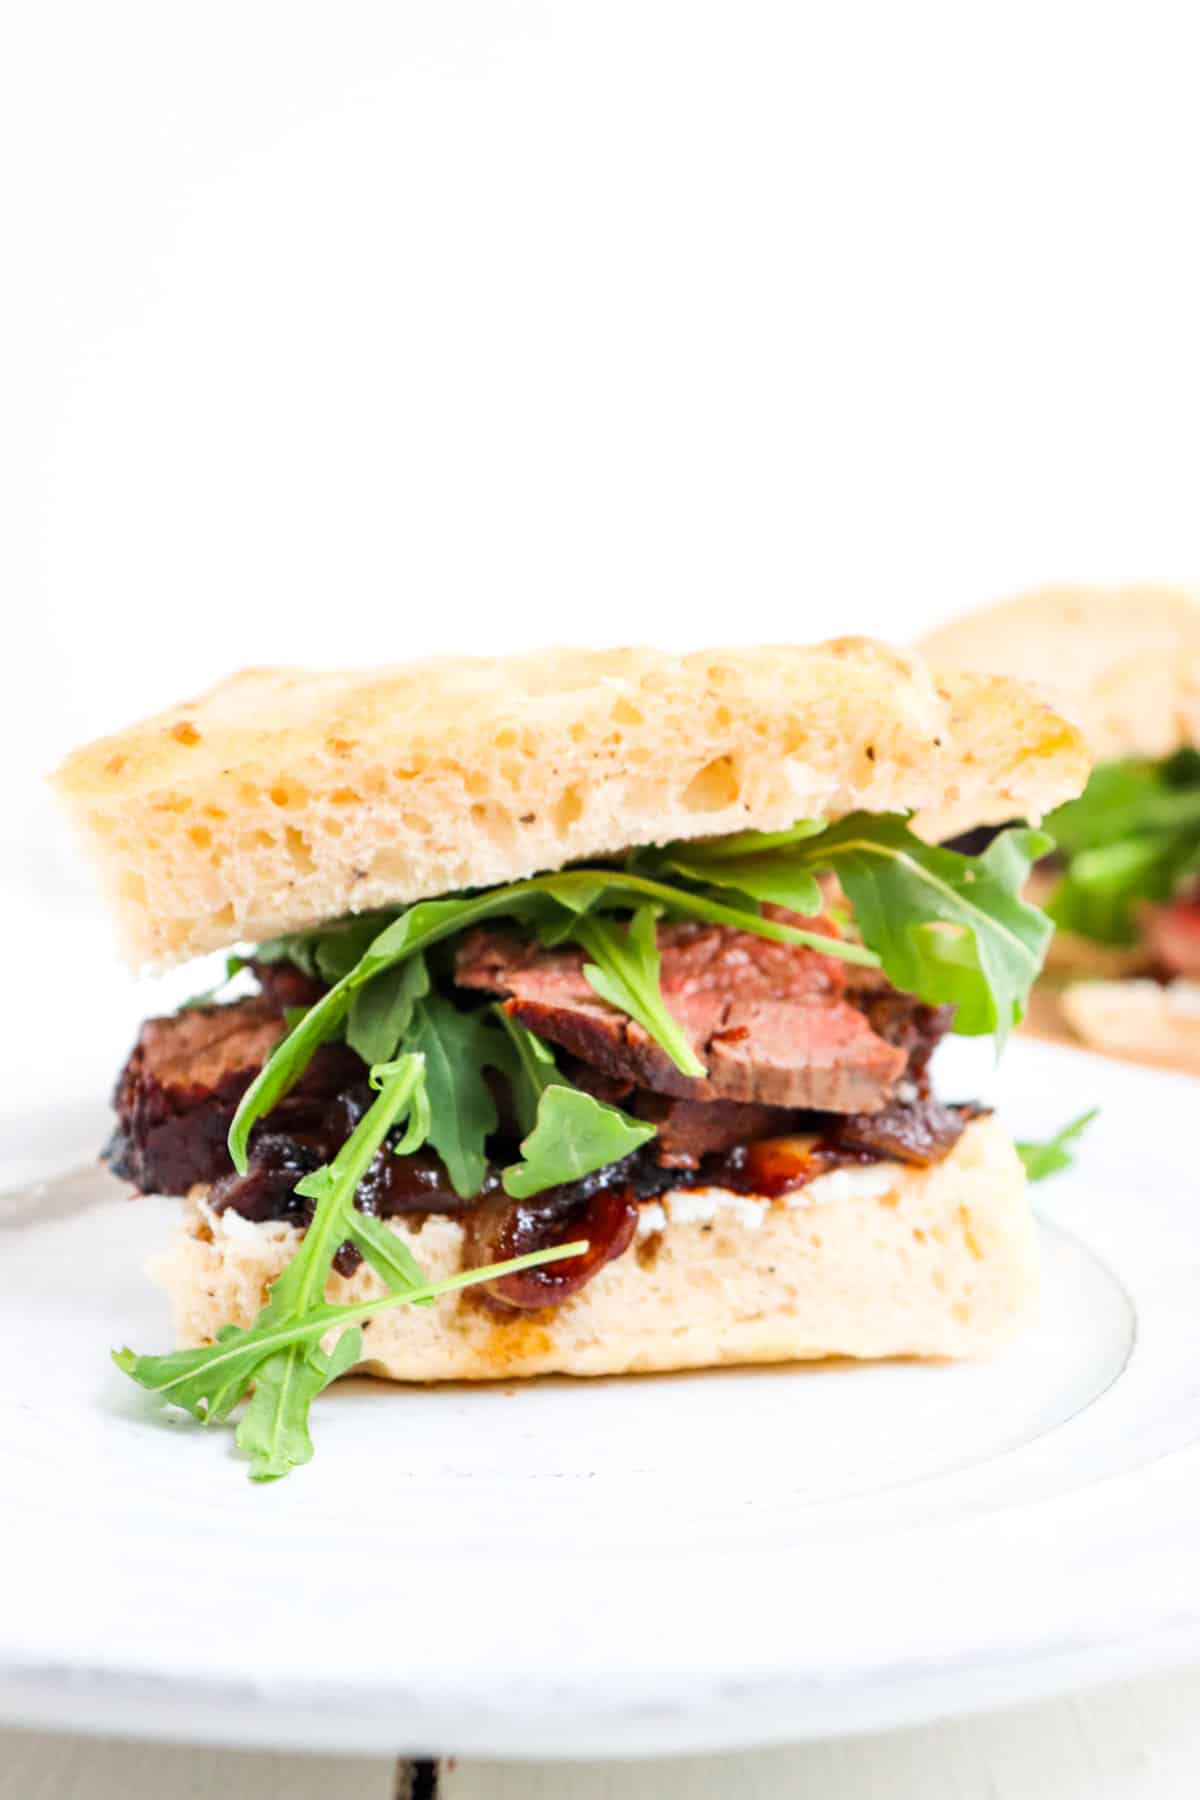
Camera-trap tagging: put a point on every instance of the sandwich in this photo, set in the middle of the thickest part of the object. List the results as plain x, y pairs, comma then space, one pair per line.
580, 1019
1123, 881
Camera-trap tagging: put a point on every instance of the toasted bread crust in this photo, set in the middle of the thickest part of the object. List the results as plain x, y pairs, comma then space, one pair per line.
281, 798
892, 1262
1124, 663
1138, 1020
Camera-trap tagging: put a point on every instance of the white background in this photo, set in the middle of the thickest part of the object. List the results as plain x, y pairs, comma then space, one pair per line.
344, 332
335, 333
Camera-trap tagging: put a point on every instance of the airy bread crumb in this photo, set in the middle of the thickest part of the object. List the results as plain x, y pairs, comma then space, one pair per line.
282, 799
1124, 663
1142, 1021
937, 1262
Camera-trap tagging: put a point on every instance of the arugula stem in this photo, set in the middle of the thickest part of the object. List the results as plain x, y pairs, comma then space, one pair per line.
320, 1319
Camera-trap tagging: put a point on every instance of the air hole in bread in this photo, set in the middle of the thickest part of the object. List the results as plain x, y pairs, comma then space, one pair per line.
567, 809
969, 1238
298, 850
713, 787
496, 823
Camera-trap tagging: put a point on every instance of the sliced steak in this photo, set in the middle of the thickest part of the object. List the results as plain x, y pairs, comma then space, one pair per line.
283, 984
901, 1019
177, 1094
1172, 936
768, 1020
179, 1090
691, 1129
205, 1046
919, 1132
824, 1058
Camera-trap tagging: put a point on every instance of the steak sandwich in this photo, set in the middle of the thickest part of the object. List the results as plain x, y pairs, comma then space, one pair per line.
1123, 883
582, 1019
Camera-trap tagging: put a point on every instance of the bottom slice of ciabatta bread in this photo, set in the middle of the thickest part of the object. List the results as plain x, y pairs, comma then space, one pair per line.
874, 1261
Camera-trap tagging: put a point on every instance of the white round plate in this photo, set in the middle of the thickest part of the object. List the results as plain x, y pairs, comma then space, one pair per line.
617, 1567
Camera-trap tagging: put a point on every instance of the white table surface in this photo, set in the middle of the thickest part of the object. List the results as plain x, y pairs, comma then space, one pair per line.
1136, 1741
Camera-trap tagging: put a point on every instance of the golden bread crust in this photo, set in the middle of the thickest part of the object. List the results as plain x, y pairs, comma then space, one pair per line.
1124, 663
281, 798
938, 1262
1137, 1020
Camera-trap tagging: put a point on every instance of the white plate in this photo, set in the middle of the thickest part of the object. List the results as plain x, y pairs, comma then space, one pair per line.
666, 1563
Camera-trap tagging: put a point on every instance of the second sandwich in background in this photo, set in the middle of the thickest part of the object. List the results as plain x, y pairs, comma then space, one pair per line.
1123, 885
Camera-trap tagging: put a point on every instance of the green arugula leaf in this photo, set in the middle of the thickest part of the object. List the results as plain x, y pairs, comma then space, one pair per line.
947, 928
280, 1355
381, 1009
329, 951
457, 1047
762, 875
276, 1427
633, 891
285, 1065
1056, 1153
273, 1431
625, 971
388, 1255
547, 902
530, 1070
1132, 836
208, 1382
741, 843
1128, 799
400, 1087
201, 1381
1101, 892
574, 1134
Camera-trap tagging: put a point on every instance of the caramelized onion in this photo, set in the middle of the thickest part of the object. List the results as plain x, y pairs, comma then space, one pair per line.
500, 1228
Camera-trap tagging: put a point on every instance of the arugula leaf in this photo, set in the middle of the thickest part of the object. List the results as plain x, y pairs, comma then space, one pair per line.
530, 1070
948, 928
1132, 836
632, 891
281, 1354
388, 1255
1100, 893
750, 863
945, 927
400, 1086
625, 971
382, 1009
285, 1065
1127, 799
1054, 1154
748, 843
273, 1431
286, 1380
457, 1047
567, 1133
540, 901
573, 1135
201, 1381
329, 951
